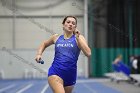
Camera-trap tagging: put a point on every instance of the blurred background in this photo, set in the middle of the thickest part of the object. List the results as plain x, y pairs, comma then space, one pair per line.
110, 27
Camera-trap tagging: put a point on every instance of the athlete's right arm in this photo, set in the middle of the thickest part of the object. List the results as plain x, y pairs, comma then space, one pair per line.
44, 45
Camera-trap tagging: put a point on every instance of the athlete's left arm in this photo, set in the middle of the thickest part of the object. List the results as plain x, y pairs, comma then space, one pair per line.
82, 44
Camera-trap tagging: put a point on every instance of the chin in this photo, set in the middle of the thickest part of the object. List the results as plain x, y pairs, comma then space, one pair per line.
69, 30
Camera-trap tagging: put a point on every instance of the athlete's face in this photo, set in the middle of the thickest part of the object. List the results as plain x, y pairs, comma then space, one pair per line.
70, 24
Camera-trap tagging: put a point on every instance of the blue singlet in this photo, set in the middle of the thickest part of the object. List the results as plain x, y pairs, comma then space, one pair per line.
65, 60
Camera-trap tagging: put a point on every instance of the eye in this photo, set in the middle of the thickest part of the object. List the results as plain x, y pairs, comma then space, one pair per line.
68, 21
73, 23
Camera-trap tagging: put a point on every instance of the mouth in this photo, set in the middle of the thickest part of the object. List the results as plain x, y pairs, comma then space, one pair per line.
70, 28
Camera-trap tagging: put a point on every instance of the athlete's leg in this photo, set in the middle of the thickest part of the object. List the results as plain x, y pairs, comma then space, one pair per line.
68, 89
56, 83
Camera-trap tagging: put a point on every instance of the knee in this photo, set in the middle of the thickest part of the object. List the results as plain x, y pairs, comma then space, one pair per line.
61, 91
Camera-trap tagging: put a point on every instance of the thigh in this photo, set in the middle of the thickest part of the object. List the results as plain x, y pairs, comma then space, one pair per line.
68, 89
56, 83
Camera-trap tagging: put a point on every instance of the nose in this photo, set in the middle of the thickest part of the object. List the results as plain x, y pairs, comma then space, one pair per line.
70, 24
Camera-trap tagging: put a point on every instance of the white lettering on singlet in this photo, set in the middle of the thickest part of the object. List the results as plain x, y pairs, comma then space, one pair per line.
65, 45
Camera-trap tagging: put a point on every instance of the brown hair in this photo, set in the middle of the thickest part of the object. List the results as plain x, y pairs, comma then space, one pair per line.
68, 17
119, 56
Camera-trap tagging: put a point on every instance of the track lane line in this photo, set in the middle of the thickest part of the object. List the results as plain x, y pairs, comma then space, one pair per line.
25, 88
45, 88
8, 87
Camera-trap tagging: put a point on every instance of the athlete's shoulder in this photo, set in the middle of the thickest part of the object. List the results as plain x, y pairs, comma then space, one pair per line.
55, 37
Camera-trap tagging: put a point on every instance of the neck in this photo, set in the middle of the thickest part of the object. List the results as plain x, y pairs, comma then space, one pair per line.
67, 35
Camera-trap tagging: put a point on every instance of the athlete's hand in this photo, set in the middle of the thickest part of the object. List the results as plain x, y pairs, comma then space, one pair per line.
77, 33
38, 57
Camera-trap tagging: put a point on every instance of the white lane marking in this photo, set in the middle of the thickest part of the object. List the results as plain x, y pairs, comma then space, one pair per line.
92, 80
90, 89
8, 87
25, 88
45, 88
